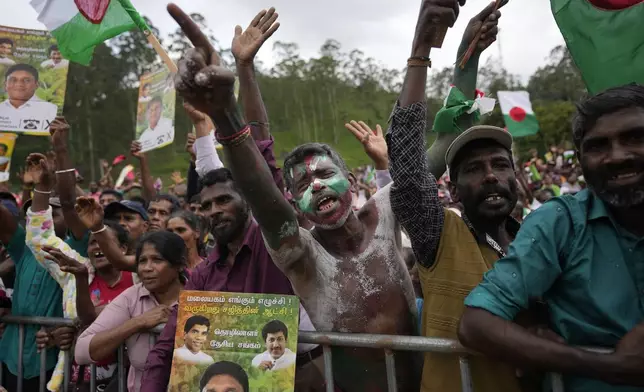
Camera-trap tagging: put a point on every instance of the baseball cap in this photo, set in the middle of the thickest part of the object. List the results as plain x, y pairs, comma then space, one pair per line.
477, 132
125, 205
53, 202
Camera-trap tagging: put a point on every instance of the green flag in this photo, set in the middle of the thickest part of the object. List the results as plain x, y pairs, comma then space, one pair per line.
79, 26
605, 39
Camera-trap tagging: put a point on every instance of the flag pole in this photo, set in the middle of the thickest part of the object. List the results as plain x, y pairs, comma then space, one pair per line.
152, 39
140, 23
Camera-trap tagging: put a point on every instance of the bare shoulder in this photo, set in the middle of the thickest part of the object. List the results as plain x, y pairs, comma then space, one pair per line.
292, 251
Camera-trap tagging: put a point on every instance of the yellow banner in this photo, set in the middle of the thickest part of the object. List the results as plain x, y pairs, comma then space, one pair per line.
7, 143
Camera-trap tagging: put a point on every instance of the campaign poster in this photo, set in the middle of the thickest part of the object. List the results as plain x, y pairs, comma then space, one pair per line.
155, 111
34, 80
246, 341
7, 143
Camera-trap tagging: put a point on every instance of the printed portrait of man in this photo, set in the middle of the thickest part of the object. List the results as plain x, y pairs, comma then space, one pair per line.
195, 335
277, 356
23, 109
55, 60
224, 376
145, 93
4, 159
6, 51
160, 129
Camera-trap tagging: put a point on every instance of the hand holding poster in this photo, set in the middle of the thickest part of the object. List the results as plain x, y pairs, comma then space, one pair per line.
34, 80
155, 114
7, 143
246, 340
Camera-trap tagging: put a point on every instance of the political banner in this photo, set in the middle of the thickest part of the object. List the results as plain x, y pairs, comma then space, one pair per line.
155, 111
34, 80
248, 341
7, 143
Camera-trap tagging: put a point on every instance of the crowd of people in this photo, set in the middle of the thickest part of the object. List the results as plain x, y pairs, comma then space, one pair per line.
523, 262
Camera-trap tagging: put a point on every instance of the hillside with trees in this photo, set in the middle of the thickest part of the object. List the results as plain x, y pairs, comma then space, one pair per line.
307, 99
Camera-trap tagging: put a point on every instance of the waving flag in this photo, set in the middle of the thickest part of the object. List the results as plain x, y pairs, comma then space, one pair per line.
80, 25
517, 113
605, 38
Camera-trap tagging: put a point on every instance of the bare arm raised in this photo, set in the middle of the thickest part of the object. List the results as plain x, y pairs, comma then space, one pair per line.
208, 86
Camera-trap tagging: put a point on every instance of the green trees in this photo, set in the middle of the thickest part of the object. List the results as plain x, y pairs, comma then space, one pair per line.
307, 99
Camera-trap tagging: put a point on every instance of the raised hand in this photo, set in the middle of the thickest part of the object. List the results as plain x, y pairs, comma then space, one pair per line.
90, 213
201, 80
203, 124
38, 169
487, 22
247, 43
373, 142
434, 16
135, 149
66, 263
190, 142
59, 131
176, 178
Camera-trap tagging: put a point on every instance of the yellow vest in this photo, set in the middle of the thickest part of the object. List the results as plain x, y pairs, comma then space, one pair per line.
459, 266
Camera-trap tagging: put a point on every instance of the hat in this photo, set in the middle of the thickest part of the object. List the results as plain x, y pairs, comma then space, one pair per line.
53, 201
478, 132
125, 205
11, 206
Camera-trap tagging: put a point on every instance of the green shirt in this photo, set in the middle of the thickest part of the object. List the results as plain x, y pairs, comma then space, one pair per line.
35, 293
589, 271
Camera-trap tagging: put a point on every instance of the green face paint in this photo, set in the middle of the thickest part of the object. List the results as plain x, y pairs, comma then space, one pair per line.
338, 183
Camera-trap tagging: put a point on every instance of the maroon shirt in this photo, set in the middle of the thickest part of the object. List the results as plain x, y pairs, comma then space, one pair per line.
253, 271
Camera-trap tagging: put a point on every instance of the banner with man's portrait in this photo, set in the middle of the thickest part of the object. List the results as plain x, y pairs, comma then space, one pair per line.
248, 339
155, 112
7, 143
34, 80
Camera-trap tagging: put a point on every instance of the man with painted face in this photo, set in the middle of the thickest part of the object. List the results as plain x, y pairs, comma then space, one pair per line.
452, 252
583, 254
348, 271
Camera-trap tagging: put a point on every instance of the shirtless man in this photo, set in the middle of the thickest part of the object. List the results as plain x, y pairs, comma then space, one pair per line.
348, 271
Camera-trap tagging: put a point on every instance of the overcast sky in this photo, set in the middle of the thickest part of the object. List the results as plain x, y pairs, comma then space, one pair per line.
382, 29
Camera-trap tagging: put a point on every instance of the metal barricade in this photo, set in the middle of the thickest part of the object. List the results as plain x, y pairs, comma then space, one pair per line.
388, 343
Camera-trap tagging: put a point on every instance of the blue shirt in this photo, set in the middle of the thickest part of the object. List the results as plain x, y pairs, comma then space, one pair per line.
35, 293
588, 269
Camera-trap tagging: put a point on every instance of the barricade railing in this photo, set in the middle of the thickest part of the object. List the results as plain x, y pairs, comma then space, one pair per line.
388, 343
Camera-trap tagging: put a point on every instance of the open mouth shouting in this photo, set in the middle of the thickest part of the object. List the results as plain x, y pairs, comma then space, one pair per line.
326, 205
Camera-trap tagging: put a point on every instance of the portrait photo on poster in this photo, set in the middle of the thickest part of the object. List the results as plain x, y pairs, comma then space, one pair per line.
7, 144
155, 110
34, 80
236, 341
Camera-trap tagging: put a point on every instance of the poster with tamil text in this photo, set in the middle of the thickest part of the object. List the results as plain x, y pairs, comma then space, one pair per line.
34, 80
245, 342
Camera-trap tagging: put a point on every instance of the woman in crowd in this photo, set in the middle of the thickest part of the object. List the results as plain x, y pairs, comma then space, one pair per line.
161, 258
185, 224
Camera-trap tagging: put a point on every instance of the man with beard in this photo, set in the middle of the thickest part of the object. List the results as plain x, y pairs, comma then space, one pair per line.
240, 261
348, 271
583, 254
452, 252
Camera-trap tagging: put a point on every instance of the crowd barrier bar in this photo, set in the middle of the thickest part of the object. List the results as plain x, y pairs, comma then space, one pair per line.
388, 343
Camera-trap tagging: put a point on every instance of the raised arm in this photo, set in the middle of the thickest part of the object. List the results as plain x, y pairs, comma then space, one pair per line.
147, 183
375, 147
91, 214
209, 88
245, 45
414, 194
66, 177
465, 80
40, 223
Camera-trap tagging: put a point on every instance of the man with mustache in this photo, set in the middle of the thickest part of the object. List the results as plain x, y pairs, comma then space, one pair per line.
452, 252
348, 271
240, 261
583, 255
195, 336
